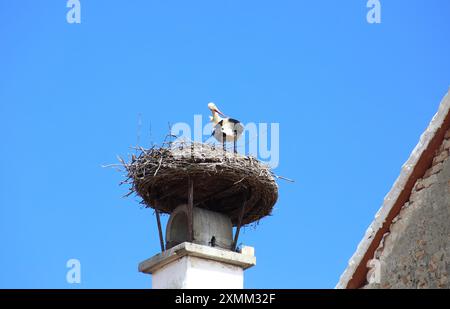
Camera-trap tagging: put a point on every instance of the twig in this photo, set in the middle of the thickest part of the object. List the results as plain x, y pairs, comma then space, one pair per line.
284, 178
239, 181
112, 165
159, 166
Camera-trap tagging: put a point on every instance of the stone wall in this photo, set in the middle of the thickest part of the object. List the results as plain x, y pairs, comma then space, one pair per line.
415, 253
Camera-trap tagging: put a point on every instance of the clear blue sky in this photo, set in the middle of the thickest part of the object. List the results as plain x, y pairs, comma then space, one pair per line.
351, 98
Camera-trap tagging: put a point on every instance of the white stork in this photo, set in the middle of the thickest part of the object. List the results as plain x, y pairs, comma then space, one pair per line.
225, 129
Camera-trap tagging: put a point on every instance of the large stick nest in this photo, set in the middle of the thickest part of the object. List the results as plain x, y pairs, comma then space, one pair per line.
223, 181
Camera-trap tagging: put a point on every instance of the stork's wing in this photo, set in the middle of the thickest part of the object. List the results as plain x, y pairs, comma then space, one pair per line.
238, 128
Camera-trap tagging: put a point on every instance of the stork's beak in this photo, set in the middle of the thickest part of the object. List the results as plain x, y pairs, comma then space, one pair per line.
220, 113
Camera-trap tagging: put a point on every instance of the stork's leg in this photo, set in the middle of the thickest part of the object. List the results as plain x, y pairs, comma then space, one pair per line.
234, 141
224, 139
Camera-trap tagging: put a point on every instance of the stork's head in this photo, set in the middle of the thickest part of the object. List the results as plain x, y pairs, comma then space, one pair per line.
214, 109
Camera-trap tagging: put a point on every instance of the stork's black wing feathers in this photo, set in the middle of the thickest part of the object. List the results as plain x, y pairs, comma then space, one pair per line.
233, 120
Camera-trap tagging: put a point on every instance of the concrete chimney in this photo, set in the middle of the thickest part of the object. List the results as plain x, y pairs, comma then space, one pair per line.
207, 261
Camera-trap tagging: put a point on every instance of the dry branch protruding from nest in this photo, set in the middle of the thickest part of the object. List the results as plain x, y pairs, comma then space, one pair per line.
222, 180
